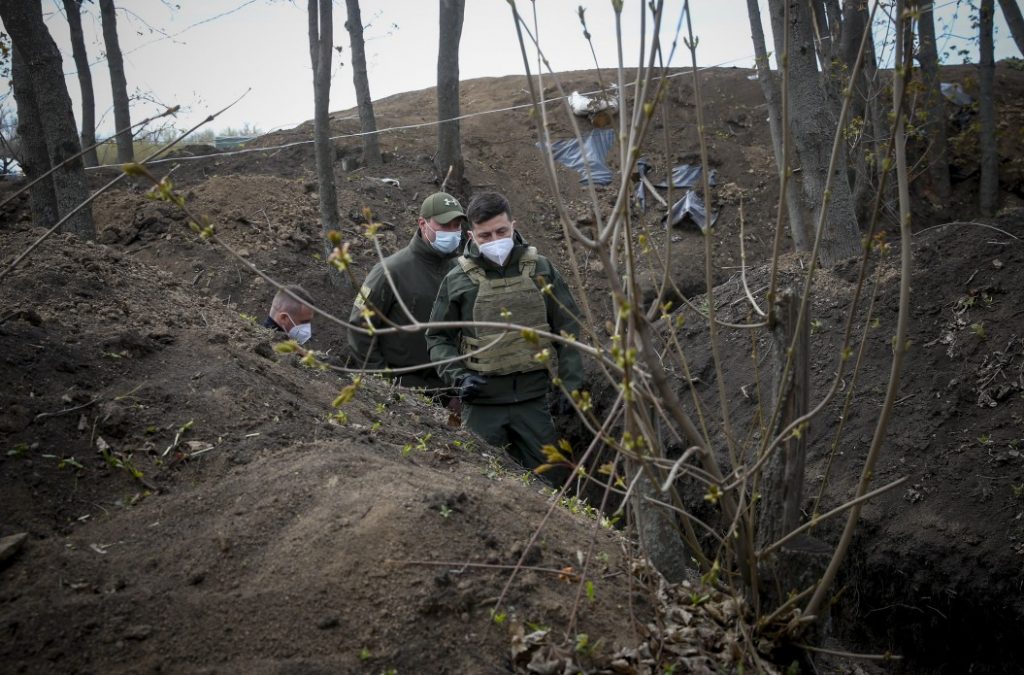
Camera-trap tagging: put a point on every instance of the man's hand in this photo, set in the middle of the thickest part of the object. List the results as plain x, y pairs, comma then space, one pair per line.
469, 387
561, 405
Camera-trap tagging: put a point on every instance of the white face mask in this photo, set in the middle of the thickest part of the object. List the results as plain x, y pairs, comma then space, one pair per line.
446, 242
301, 332
497, 251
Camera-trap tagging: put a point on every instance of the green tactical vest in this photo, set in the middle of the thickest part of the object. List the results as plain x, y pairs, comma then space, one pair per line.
524, 302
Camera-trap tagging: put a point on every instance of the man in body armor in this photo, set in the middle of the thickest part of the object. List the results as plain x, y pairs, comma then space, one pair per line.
503, 387
416, 271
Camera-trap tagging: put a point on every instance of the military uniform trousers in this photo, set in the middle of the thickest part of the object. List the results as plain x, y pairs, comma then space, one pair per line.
523, 428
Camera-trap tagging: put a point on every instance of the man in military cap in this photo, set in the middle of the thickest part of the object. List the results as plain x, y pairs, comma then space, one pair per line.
501, 383
416, 272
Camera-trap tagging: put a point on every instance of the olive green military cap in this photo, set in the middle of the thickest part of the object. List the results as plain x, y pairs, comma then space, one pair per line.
442, 207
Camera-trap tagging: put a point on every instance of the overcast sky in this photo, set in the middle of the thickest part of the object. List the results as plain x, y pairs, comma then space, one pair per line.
202, 54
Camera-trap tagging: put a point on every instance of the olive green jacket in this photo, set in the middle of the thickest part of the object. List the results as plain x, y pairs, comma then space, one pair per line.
455, 300
417, 271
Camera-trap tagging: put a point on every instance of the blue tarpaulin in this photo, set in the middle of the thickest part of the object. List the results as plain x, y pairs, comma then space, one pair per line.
683, 176
643, 167
690, 206
688, 176
595, 148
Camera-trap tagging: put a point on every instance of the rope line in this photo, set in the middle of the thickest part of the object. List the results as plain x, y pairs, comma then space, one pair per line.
404, 127
420, 125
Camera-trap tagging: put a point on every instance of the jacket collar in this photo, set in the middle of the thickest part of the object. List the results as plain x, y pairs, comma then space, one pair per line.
271, 324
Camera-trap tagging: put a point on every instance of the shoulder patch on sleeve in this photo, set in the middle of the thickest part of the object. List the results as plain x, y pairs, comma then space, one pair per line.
361, 296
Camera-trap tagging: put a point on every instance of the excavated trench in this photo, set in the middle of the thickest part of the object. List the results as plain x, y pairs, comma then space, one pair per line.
930, 600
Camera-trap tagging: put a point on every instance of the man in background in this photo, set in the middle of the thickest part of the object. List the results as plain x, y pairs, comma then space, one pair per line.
291, 313
416, 271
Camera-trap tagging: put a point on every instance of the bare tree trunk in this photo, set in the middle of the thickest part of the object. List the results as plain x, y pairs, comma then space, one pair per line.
813, 132
657, 528
367, 120
118, 83
784, 477
449, 143
835, 23
801, 562
770, 88
855, 18
876, 128
47, 95
1012, 14
73, 8
321, 38
988, 191
827, 49
934, 104
823, 43
35, 160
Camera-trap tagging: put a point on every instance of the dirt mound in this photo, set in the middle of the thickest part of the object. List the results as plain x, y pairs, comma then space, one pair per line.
190, 507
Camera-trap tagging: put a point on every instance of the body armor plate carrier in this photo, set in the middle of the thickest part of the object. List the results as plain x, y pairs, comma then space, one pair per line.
524, 304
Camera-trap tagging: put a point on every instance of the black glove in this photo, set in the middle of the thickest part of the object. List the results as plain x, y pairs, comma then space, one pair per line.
469, 387
561, 405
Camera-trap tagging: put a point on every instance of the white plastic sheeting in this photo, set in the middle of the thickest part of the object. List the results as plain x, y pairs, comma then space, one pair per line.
584, 106
955, 94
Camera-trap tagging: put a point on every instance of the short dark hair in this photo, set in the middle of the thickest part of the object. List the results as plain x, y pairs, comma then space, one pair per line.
286, 303
487, 205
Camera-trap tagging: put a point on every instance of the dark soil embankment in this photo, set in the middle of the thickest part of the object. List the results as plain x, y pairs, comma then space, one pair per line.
269, 539
937, 566
259, 542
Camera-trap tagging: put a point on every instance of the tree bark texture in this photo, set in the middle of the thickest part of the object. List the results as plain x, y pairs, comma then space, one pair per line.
784, 473
801, 562
826, 45
1012, 14
823, 37
988, 190
835, 22
449, 142
855, 18
867, 104
657, 529
118, 83
770, 89
47, 95
35, 159
813, 129
367, 120
321, 38
934, 104
73, 8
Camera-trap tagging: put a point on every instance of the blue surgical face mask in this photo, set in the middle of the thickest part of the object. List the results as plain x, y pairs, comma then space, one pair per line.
301, 332
446, 242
